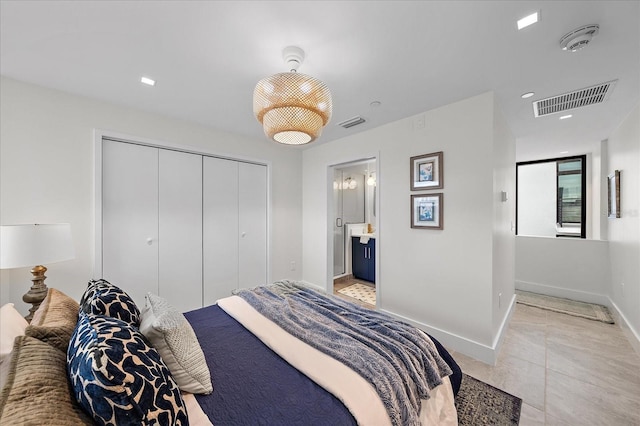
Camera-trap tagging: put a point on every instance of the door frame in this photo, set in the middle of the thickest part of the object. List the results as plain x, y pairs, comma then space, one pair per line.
330, 219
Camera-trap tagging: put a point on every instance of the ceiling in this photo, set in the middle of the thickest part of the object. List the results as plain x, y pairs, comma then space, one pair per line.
411, 56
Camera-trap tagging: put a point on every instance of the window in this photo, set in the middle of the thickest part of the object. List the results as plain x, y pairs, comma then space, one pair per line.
551, 197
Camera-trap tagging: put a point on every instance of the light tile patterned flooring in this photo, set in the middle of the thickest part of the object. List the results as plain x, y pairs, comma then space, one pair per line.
342, 283
568, 371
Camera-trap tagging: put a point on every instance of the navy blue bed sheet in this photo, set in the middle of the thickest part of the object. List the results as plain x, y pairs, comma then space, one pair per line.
252, 385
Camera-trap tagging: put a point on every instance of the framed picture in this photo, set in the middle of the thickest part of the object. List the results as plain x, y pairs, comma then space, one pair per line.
426, 211
613, 200
426, 171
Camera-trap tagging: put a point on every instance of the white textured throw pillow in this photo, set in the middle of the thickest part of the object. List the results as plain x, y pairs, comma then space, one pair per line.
12, 325
172, 336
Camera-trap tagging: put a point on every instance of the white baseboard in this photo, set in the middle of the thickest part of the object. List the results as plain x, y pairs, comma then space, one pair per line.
477, 350
632, 334
548, 290
314, 286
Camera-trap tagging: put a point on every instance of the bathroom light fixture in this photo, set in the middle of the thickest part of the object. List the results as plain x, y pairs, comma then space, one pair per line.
292, 107
350, 183
371, 181
528, 20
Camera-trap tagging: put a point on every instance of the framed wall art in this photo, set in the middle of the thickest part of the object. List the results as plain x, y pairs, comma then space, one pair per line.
613, 199
426, 171
426, 211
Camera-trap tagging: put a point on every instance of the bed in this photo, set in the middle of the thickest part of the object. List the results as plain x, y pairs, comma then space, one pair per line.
235, 362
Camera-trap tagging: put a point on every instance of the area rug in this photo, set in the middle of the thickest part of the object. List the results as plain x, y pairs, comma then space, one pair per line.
478, 404
362, 292
566, 306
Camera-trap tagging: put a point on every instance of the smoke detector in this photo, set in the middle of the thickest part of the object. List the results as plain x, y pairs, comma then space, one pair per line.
579, 38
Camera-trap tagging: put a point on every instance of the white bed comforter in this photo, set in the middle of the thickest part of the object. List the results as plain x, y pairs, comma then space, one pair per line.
356, 393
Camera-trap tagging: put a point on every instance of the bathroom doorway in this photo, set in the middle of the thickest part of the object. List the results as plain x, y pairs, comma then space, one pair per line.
354, 231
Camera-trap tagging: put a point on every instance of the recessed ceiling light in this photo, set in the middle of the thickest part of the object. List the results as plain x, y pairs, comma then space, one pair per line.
564, 117
527, 95
148, 81
528, 20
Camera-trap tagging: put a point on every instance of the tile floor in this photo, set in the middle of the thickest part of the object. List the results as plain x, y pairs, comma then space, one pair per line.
342, 283
567, 370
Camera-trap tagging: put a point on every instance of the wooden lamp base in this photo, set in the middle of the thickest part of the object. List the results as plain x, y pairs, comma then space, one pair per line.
37, 292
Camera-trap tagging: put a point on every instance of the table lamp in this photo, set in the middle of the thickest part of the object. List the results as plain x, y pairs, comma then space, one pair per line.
35, 244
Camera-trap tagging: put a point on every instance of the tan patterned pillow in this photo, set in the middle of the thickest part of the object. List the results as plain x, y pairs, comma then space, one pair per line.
37, 390
57, 310
55, 319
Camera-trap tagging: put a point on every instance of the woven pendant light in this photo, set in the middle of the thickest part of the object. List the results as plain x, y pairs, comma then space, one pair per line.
292, 107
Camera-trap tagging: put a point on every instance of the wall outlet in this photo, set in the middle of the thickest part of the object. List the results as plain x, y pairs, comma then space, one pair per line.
293, 265
419, 123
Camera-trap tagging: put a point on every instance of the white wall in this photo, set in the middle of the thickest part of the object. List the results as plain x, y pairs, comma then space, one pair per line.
624, 232
46, 175
504, 172
441, 280
572, 268
537, 199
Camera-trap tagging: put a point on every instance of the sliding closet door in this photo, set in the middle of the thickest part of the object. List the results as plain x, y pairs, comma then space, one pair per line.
130, 218
252, 206
220, 228
180, 229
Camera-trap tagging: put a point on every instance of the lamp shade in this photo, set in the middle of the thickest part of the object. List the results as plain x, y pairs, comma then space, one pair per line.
35, 244
292, 107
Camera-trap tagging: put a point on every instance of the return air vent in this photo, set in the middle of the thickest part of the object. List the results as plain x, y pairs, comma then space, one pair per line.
576, 99
351, 122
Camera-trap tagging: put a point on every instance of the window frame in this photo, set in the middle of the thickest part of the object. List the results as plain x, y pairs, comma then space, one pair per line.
583, 189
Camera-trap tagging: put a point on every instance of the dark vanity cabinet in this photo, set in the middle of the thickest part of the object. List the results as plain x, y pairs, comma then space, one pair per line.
363, 259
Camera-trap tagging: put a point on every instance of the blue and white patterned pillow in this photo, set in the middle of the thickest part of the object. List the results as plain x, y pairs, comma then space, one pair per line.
103, 298
118, 377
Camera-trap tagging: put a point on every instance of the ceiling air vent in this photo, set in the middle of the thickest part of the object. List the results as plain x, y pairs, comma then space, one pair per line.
576, 99
351, 122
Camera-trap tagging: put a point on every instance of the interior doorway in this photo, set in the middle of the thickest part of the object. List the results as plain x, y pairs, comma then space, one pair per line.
354, 230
